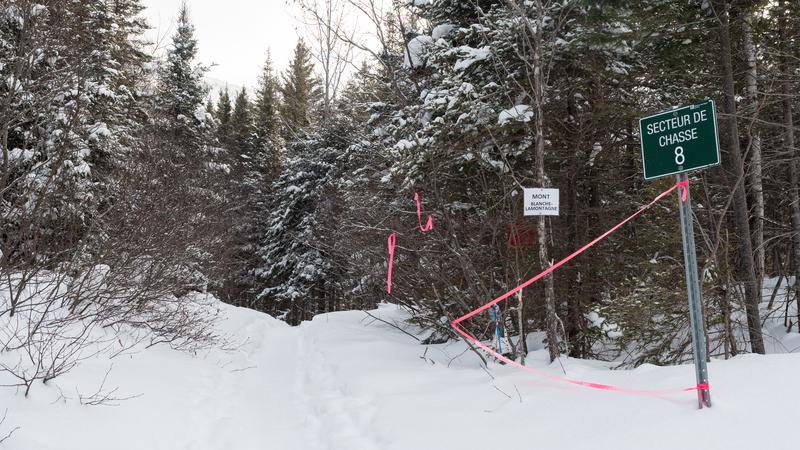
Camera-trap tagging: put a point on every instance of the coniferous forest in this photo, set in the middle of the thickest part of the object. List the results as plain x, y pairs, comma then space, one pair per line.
128, 186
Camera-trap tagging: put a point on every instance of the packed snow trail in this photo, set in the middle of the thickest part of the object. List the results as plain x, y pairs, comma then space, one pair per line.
247, 416
346, 381
337, 419
242, 399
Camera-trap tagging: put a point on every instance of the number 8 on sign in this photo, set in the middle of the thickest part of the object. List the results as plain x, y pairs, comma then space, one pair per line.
680, 158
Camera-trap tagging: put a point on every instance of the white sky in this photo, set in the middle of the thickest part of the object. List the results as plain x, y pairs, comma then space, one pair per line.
233, 34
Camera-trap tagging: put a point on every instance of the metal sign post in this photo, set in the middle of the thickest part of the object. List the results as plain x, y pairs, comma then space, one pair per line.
675, 142
693, 288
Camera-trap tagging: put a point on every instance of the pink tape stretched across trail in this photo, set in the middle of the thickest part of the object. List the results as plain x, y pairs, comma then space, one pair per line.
428, 226
392, 242
700, 387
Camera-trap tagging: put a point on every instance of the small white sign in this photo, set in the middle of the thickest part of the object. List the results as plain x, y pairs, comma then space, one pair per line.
541, 202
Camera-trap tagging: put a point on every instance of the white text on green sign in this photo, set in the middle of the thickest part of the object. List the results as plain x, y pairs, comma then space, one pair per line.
679, 140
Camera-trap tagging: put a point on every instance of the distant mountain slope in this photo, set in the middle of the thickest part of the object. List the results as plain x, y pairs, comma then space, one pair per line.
216, 85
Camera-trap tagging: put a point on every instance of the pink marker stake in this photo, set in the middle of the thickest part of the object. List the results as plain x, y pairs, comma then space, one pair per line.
392, 241
428, 226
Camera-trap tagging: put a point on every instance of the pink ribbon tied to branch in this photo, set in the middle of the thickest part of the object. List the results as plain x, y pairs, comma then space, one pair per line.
429, 225
392, 242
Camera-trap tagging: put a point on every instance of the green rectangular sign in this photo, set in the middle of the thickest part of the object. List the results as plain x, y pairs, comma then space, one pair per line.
680, 140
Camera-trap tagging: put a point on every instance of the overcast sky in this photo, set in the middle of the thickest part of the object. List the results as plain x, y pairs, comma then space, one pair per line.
233, 34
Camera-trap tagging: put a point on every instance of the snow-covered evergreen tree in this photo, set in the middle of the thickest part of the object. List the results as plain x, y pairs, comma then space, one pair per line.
183, 145
296, 272
253, 139
69, 117
298, 93
181, 89
265, 110
223, 117
242, 132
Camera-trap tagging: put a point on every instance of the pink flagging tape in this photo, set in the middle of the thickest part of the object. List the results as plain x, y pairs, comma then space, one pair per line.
455, 323
587, 384
684, 185
392, 241
428, 226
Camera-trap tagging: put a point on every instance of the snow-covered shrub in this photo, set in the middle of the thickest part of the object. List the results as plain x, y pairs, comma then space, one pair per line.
50, 321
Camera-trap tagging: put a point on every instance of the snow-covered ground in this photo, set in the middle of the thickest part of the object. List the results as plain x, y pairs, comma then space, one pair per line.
776, 340
346, 381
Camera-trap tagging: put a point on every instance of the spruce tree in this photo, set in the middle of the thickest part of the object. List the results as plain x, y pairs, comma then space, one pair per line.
247, 188
241, 127
252, 129
181, 88
266, 106
71, 111
210, 110
298, 92
223, 117
296, 274
183, 141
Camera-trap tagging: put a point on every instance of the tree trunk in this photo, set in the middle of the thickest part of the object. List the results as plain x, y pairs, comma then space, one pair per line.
735, 176
791, 151
551, 321
574, 291
754, 139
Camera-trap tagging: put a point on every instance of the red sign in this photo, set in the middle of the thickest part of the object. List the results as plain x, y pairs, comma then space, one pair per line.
521, 236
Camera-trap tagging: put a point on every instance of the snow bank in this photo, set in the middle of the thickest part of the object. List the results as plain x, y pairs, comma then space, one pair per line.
175, 400
350, 381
